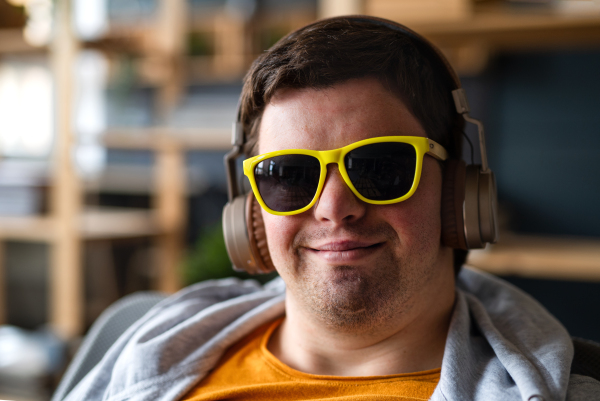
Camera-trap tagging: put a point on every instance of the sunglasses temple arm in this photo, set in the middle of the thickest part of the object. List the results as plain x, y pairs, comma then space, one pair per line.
462, 107
230, 158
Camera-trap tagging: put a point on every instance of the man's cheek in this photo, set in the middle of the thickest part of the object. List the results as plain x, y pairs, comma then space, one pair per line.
418, 230
280, 236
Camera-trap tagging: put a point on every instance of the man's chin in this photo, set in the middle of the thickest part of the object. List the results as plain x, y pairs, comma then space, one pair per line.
346, 298
347, 290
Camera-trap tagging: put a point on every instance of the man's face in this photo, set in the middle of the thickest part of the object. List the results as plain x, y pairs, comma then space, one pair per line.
347, 263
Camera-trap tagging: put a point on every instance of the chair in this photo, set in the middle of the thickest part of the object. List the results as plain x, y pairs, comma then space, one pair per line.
119, 316
104, 332
587, 358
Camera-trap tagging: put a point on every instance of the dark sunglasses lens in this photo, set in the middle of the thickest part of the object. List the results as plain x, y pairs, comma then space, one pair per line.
382, 171
287, 183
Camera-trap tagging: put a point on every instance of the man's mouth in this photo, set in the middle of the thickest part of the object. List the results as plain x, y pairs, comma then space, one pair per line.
345, 251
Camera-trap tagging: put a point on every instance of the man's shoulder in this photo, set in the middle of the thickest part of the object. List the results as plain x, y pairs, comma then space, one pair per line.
583, 388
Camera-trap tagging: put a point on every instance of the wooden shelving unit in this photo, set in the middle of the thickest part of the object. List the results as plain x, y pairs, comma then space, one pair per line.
478, 30
66, 244
471, 43
69, 224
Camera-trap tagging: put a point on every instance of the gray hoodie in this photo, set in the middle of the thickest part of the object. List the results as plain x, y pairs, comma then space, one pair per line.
501, 345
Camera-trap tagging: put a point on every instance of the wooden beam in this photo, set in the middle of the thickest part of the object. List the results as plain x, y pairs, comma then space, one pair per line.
230, 45
98, 223
110, 223
516, 31
66, 286
170, 203
28, 228
433, 11
3, 292
541, 257
470, 43
170, 40
158, 138
332, 8
12, 41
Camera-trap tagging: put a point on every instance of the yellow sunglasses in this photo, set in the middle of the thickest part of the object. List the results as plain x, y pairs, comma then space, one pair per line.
379, 171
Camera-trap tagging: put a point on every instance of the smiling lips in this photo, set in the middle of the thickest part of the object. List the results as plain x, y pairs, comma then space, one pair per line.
345, 251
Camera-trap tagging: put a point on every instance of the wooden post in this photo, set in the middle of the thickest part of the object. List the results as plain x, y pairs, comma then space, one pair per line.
170, 201
230, 45
332, 8
170, 162
171, 46
66, 283
3, 294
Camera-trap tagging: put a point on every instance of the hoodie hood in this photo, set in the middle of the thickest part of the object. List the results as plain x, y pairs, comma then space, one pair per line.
501, 344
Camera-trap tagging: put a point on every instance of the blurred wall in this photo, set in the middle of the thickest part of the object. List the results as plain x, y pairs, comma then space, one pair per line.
542, 117
542, 114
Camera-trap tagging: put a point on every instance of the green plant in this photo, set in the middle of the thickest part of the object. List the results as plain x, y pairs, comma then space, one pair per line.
208, 259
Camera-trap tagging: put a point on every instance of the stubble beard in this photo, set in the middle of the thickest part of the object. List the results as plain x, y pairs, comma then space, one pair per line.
359, 299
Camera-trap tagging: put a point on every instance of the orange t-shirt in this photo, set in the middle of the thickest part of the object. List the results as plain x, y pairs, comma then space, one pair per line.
248, 371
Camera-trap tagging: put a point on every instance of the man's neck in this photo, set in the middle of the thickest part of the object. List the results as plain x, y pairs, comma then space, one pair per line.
414, 341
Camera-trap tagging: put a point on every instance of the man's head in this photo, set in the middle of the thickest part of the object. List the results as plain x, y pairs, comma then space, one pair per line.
332, 52
351, 264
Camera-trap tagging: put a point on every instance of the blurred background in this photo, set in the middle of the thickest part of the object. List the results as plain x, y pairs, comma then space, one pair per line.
115, 116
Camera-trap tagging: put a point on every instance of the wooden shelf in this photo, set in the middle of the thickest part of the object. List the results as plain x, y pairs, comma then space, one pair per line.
97, 223
514, 30
541, 257
487, 29
501, 25
157, 138
27, 228
12, 41
469, 44
118, 223
469, 41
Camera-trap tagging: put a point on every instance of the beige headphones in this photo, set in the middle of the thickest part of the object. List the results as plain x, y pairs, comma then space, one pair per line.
469, 199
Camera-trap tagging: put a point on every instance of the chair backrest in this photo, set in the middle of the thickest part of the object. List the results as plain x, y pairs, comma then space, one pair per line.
587, 358
104, 332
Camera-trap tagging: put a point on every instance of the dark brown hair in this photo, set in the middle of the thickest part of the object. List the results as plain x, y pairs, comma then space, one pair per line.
333, 51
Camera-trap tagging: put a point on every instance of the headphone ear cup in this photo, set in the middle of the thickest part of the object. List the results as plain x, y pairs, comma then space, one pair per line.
236, 235
247, 248
471, 209
488, 206
480, 207
453, 199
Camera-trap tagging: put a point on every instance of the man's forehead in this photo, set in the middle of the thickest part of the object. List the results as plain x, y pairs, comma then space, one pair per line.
328, 118
346, 87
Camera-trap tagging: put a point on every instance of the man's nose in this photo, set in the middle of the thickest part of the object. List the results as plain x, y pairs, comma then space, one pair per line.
337, 202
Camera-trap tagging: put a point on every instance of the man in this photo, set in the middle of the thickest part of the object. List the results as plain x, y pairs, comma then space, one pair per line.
352, 127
